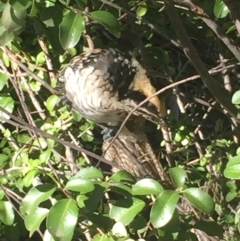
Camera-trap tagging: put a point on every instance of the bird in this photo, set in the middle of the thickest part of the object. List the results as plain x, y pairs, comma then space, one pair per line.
105, 85
132, 152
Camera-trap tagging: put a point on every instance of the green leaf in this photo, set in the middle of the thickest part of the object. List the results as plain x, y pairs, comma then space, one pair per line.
3, 160
108, 20
236, 98
230, 196
142, 10
34, 220
13, 20
45, 156
28, 179
79, 184
89, 173
3, 80
8, 104
125, 210
163, 208
199, 199
35, 196
123, 176
5, 36
220, 9
70, 30
103, 237
6, 212
20, 4
178, 176
94, 197
51, 102
122, 189
147, 186
232, 169
51, 19
62, 219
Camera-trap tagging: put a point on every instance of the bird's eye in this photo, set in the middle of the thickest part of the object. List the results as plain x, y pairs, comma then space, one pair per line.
61, 79
151, 107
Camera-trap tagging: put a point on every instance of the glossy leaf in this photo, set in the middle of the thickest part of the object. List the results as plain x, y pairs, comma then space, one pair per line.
20, 4
5, 36
3, 80
51, 102
119, 230
51, 19
236, 98
13, 19
163, 208
34, 220
89, 173
62, 219
45, 156
199, 199
147, 186
95, 197
6, 212
79, 184
142, 10
122, 189
220, 9
8, 104
28, 179
108, 20
232, 169
103, 237
178, 176
35, 196
123, 176
125, 210
70, 29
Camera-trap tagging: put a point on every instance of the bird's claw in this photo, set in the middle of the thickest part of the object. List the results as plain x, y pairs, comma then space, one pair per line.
109, 132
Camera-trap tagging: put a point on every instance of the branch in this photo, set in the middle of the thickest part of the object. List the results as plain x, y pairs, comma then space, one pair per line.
233, 7
150, 25
219, 94
25, 126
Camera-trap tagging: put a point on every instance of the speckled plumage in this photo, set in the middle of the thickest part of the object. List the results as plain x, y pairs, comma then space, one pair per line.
105, 85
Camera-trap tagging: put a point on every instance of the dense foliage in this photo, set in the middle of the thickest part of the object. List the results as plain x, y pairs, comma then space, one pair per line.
52, 186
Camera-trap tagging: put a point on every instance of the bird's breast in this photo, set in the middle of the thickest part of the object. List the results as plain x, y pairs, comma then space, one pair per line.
93, 97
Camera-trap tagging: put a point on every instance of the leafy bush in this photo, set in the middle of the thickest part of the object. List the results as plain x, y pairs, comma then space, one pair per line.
50, 187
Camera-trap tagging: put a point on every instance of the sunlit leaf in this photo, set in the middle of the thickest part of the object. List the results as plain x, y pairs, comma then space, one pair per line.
13, 19
108, 20
3, 80
178, 176
6, 212
220, 9
236, 98
125, 210
89, 172
147, 186
7, 103
142, 10
35, 196
62, 219
163, 208
70, 29
79, 184
199, 199
34, 220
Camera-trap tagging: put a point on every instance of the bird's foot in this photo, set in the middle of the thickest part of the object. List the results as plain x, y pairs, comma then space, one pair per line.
109, 132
